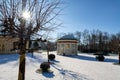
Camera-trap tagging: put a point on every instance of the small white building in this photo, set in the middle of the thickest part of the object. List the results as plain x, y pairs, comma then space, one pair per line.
67, 45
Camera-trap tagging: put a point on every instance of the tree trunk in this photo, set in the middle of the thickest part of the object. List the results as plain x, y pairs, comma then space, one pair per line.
21, 75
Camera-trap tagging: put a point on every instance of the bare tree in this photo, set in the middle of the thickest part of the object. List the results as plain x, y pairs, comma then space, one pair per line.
14, 22
78, 36
85, 35
93, 40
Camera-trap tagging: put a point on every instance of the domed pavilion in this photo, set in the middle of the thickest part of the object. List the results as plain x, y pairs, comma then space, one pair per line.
67, 45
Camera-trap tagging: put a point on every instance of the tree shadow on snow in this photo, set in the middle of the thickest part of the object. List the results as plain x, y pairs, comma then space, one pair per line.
48, 74
111, 60
54, 61
70, 75
35, 58
81, 57
84, 57
5, 58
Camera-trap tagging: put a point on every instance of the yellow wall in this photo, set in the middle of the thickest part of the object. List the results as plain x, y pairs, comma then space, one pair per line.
6, 44
67, 47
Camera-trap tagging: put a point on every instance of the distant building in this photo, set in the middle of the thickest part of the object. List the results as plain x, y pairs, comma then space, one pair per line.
7, 44
37, 44
10, 44
67, 45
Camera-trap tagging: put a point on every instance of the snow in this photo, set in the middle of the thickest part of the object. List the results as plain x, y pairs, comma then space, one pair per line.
81, 67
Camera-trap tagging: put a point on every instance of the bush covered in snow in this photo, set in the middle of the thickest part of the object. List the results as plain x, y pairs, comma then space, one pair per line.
100, 57
45, 66
51, 56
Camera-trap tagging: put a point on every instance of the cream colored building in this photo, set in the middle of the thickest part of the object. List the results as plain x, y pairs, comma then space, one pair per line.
7, 44
67, 45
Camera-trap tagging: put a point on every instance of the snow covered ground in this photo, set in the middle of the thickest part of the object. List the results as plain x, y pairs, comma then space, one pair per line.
81, 67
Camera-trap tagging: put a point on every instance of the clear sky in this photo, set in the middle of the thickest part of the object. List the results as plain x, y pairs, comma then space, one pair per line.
79, 15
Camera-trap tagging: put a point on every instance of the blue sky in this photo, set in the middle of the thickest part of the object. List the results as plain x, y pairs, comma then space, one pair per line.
79, 15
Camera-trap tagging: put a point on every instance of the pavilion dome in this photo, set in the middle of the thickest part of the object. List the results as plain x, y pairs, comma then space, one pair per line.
68, 37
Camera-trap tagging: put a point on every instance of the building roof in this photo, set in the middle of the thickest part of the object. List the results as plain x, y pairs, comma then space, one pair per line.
68, 37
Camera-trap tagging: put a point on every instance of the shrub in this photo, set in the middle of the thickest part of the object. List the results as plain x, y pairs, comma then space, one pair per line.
51, 56
45, 66
100, 57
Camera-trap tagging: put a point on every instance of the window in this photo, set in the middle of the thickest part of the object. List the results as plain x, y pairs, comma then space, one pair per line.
67, 46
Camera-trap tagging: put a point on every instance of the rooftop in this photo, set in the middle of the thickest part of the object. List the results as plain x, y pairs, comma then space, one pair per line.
68, 37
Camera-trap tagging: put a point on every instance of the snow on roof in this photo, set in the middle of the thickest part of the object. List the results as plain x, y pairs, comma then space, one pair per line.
68, 37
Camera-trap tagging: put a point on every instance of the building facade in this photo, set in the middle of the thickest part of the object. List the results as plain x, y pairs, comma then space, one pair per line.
7, 44
67, 45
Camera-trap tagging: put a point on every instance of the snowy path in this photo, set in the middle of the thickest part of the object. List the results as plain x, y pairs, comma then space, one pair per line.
81, 67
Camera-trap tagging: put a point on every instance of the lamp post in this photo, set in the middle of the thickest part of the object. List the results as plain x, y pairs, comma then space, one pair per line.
47, 47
